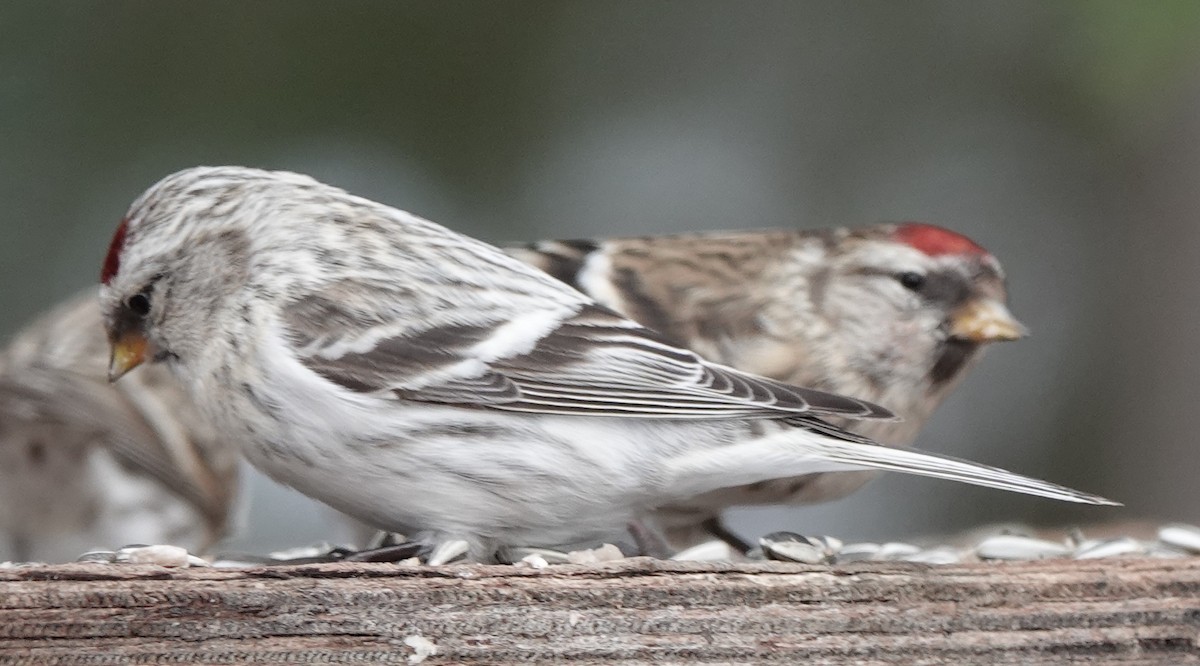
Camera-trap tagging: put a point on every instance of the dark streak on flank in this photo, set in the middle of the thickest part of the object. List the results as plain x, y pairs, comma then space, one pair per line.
641, 306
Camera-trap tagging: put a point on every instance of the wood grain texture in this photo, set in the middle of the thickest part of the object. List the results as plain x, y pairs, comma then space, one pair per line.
1133, 611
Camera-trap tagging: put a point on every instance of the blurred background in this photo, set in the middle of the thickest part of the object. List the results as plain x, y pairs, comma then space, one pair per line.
1063, 136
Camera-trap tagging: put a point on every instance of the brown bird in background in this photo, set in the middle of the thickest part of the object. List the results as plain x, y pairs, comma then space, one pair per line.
895, 314
86, 464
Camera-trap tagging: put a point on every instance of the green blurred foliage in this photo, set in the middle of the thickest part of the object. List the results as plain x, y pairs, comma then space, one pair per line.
1131, 52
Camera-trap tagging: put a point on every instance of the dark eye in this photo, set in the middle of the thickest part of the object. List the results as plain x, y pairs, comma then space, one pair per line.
911, 281
140, 304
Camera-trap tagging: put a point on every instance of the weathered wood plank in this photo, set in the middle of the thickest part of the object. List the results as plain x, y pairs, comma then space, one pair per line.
1131, 611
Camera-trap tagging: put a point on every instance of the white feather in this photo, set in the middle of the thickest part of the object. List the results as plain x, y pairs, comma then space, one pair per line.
519, 335
594, 280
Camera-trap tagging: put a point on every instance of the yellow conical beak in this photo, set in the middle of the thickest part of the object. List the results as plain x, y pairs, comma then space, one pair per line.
128, 352
985, 320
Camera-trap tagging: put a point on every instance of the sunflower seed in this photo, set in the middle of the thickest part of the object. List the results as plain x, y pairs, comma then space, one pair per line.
1093, 549
422, 648
312, 551
792, 547
1164, 552
533, 561
832, 545
605, 553
858, 552
513, 555
162, 555
895, 550
938, 555
1012, 547
709, 551
1186, 537
104, 556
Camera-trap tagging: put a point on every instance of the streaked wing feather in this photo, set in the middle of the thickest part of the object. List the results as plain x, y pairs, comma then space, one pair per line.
598, 362
814, 424
594, 362
488, 389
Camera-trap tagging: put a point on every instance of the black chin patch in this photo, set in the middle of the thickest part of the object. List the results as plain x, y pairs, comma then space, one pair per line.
954, 355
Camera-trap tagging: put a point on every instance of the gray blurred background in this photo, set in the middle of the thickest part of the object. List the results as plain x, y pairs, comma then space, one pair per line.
1063, 136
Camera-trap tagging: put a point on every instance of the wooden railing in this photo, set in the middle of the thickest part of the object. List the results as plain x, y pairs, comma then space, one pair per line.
1144, 611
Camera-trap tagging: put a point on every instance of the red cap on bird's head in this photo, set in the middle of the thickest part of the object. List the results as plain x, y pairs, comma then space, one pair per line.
112, 261
935, 241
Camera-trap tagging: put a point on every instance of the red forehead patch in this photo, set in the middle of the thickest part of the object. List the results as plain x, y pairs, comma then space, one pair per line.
936, 241
112, 261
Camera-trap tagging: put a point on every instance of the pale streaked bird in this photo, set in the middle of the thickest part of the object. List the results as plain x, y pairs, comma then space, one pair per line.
425, 382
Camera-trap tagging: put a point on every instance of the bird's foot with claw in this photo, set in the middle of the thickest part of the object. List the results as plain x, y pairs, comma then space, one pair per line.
317, 553
386, 547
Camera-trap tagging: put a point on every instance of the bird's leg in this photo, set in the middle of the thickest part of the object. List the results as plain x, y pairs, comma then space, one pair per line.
648, 540
716, 527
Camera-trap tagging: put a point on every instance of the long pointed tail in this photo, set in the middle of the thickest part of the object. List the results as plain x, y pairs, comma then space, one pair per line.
808, 451
939, 466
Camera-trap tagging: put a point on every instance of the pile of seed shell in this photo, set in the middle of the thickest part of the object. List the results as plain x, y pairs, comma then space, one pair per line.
1171, 541
1001, 544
